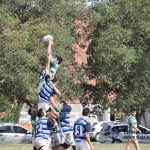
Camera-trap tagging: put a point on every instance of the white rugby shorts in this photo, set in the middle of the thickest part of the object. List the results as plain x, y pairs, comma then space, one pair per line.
38, 143
82, 145
69, 138
45, 106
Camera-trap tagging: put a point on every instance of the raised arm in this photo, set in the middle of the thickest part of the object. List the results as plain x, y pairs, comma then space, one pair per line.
57, 91
49, 48
48, 63
49, 55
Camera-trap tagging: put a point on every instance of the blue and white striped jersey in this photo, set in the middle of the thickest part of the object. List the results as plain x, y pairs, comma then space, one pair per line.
81, 126
46, 91
65, 119
43, 126
65, 122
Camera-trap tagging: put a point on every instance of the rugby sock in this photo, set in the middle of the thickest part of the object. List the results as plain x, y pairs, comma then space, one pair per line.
73, 147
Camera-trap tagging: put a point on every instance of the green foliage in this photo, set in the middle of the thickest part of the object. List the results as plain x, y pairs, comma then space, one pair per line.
12, 116
22, 52
119, 52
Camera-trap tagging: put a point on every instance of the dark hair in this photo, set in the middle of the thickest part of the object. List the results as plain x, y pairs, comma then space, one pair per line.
66, 108
86, 112
47, 77
49, 110
41, 113
55, 79
132, 110
64, 102
59, 59
29, 111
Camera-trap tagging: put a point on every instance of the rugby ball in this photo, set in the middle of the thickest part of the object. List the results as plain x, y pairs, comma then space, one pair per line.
47, 38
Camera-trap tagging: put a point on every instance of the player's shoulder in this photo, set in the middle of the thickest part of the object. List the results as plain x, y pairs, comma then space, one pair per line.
130, 117
82, 120
85, 118
42, 120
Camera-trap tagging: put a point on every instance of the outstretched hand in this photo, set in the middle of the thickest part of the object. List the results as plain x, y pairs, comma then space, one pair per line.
50, 42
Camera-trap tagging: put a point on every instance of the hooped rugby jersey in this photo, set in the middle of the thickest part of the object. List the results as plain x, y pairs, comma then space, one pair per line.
43, 126
65, 119
46, 91
81, 126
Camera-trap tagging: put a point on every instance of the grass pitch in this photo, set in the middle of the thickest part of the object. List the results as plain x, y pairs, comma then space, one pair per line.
97, 146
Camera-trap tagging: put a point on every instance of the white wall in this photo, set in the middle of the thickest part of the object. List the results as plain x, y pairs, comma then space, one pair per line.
106, 115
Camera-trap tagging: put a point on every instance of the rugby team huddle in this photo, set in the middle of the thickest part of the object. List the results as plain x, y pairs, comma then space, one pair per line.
51, 120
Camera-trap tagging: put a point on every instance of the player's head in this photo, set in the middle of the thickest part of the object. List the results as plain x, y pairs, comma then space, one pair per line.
63, 102
65, 107
41, 113
49, 77
48, 113
86, 112
58, 59
133, 111
31, 111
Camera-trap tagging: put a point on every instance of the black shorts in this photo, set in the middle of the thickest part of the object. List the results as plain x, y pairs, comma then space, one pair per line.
64, 145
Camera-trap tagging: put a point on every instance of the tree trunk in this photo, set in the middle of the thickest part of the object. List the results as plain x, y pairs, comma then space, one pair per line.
139, 114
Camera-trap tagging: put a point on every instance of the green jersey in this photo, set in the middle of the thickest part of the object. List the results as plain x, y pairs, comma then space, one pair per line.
53, 64
132, 121
53, 68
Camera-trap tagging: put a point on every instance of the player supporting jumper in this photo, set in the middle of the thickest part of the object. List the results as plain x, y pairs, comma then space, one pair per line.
81, 131
64, 120
42, 133
46, 93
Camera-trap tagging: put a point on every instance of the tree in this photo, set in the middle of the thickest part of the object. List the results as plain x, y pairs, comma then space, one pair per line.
23, 55
119, 52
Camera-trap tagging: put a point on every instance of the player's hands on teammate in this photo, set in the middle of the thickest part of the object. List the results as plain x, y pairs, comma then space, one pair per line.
56, 124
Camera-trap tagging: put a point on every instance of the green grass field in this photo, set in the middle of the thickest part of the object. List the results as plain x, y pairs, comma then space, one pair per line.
97, 146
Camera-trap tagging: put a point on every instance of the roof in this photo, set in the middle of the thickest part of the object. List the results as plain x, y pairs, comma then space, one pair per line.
10, 123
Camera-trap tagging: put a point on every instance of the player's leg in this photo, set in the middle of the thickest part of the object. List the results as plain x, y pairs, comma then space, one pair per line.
136, 144
128, 145
45, 147
58, 147
34, 148
78, 145
70, 140
85, 145
82, 145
